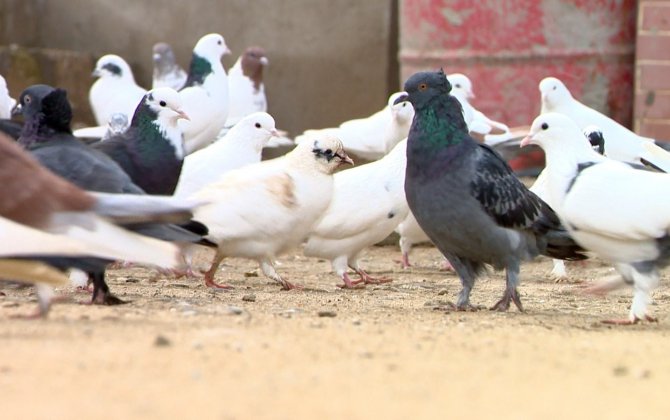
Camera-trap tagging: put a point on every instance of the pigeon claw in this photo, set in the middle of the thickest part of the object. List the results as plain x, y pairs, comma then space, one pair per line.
287, 285
209, 282
510, 296
628, 321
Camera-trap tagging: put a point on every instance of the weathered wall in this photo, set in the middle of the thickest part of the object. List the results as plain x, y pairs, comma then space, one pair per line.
329, 60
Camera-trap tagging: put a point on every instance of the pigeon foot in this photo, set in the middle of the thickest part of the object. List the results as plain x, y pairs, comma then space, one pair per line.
349, 284
209, 282
510, 296
628, 321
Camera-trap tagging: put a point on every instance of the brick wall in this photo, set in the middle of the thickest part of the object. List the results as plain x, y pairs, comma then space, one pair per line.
652, 70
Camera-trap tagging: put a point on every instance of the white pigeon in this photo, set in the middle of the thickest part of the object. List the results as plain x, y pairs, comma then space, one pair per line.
245, 80
410, 234
205, 96
116, 125
167, 73
620, 143
263, 210
368, 203
241, 146
539, 187
620, 213
6, 101
492, 131
115, 90
372, 137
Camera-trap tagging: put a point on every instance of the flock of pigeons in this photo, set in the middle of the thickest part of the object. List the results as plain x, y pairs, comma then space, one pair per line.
179, 167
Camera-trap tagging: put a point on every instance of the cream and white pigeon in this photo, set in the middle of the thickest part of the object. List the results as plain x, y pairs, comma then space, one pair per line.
205, 96
372, 137
241, 146
167, 72
115, 90
245, 80
263, 210
368, 203
6, 101
610, 208
620, 143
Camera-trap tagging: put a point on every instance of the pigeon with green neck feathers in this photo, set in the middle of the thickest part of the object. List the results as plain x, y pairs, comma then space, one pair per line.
151, 150
205, 96
466, 198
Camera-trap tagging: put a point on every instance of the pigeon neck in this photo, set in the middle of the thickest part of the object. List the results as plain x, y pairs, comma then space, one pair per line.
36, 131
200, 69
156, 137
441, 124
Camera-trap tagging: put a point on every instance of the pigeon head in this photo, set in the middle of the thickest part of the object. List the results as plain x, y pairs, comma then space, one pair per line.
118, 123
45, 107
327, 153
253, 60
258, 126
163, 57
596, 138
555, 132
422, 87
165, 104
403, 112
553, 92
211, 47
113, 66
462, 82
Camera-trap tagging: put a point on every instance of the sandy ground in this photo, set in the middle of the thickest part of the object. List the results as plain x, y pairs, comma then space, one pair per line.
179, 350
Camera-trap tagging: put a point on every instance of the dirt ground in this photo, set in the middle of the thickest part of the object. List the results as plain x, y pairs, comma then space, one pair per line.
180, 350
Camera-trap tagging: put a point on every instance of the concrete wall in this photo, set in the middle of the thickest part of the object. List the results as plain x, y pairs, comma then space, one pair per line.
329, 60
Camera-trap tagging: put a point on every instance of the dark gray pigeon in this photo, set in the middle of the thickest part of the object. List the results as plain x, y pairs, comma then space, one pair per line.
466, 198
47, 135
151, 150
167, 73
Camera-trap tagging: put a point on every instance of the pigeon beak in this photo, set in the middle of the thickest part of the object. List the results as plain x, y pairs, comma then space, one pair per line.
156, 57
275, 133
182, 114
264, 61
226, 51
345, 159
96, 73
526, 140
17, 110
402, 98
471, 95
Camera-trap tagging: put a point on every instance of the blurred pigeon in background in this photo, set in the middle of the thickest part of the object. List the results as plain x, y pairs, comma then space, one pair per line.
245, 80
6, 101
167, 73
115, 90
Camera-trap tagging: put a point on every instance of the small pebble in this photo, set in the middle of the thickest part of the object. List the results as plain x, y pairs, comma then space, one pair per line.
235, 310
327, 314
132, 281
620, 371
251, 274
161, 341
249, 298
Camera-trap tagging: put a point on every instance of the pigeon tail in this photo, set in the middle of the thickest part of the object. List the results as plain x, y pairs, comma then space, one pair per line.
553, 240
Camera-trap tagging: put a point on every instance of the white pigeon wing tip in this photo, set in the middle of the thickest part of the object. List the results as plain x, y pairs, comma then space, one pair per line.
655, 155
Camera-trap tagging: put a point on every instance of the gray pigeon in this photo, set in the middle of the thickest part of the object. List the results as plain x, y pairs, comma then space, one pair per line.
167, 73
466, 198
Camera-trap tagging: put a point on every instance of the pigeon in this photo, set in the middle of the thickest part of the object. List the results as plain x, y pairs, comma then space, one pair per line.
48, 137
486, 129
241, 146
151, 150
34, 196
373, 137
622, 144
245, 80
368, 203
539, 187
263, 210
205, 96
6, 101
167, 73
410, 234
117, 124
115, 90
611, 208
466, 198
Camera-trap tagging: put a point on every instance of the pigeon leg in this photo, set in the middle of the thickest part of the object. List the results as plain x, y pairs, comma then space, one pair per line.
349, 284
269, 271
558, 272
511, 294
368, 279
405, 261
209, 275
101, 293
646, 279
467, 278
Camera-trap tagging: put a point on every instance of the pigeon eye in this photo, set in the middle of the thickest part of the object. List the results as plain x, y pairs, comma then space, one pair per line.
27, 100
219, 42
258, 125
423, 86
162, 103
458, 85
545, 126
553, 88
329, 152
